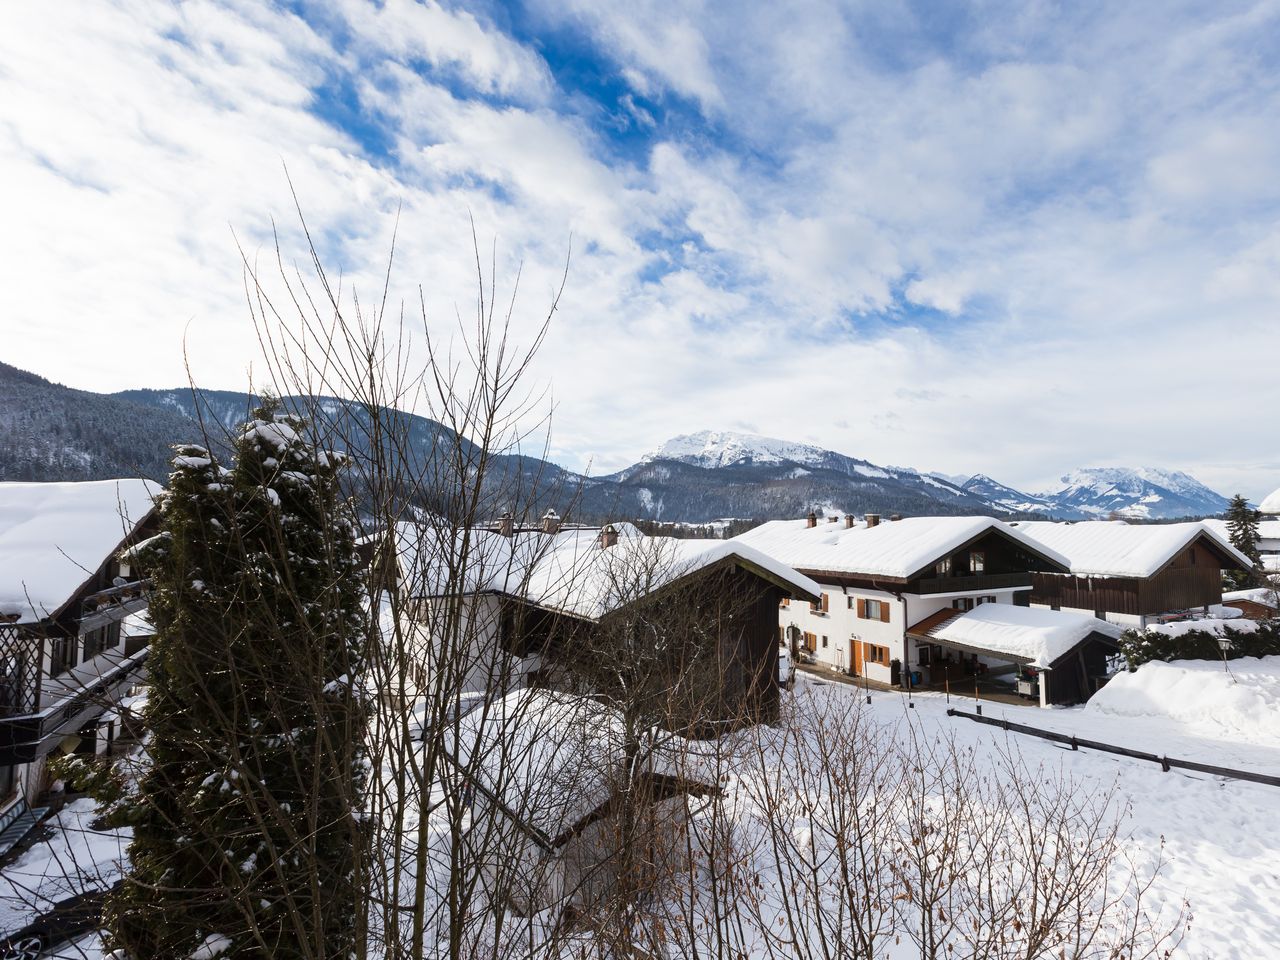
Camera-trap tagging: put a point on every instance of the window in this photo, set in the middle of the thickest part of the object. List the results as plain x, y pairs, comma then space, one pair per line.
977, 561
785, 602
850, 599
943, 567
981, 600
962, 603
824, 641
922, 656
104, 638
875, 654
874, 608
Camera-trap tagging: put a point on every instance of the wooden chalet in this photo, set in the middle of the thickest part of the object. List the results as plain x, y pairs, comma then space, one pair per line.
65, 594
698, 618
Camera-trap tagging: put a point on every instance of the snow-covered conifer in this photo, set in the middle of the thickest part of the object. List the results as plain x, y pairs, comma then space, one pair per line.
246, 815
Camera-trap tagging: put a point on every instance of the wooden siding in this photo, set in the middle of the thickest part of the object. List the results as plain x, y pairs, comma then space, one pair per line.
1191, 579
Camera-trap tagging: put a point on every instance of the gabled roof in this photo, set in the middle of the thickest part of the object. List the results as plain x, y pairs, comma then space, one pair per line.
1113, 548
55, 536
895, 549
1029, 635
568, 571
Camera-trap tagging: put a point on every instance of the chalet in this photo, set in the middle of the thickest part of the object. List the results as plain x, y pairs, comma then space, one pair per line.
544, 774
64, 594
536, 606
878, 579
1062, 658
1258, 603
1131, 574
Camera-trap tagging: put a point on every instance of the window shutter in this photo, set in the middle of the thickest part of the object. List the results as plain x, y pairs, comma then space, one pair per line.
884, 611
862, 609
826, 598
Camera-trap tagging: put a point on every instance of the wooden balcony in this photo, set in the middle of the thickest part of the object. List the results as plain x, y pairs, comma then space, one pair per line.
973, 583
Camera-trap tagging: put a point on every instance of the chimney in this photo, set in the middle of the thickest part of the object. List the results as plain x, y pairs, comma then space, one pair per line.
608, 536
507, 524
551, 522
849, 521
813, 519
873, 519
894, 518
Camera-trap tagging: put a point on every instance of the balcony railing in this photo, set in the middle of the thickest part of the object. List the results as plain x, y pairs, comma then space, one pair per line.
973, 582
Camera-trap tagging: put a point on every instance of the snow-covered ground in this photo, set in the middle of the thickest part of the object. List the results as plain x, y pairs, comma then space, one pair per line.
1217, 837
1221, 848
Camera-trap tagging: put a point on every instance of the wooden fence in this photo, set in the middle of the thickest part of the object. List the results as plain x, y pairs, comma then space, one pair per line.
1075, 743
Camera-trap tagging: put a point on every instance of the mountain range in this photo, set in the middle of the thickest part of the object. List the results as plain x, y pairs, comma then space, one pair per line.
52, 432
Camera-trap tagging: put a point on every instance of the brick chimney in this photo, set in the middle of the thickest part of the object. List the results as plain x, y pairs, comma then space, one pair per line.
506, 525
551, 522
813, 519
608, 536
849, 521
873, 520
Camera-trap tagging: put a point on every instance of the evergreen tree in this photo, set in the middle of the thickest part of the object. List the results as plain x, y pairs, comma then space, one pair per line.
246, 809
1242, 525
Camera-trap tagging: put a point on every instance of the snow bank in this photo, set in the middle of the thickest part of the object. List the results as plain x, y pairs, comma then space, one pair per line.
1218, 627
1202, 696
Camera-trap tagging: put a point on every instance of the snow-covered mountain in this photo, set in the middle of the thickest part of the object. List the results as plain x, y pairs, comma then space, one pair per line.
1001, 495
765, 476
712, 449
1143, 493
51, 432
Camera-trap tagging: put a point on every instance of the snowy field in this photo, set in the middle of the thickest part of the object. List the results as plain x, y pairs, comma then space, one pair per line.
1220, 844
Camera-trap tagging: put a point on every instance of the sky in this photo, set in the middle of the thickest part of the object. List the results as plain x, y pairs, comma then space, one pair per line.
1010, 238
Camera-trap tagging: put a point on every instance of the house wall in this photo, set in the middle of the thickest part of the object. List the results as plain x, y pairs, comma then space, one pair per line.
848, 635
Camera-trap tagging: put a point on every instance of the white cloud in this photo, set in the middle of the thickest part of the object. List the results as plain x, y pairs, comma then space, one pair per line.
1089, 197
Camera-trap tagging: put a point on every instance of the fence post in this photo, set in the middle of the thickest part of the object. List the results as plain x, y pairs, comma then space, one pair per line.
1164, 764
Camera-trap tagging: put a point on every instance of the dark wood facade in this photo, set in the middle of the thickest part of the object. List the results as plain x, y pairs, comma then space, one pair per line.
717, 630
1192, 578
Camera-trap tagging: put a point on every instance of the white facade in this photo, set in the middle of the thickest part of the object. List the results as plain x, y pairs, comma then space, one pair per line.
866, 644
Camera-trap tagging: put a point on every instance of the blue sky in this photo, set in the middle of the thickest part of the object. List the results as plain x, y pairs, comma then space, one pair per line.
1014, 238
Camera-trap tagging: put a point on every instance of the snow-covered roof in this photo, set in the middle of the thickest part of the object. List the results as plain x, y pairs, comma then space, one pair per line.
553, 758
1027, 634
1113, 548
54, 536
898, 549
1267, 529
570, 571
1270, 503
1263, 595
